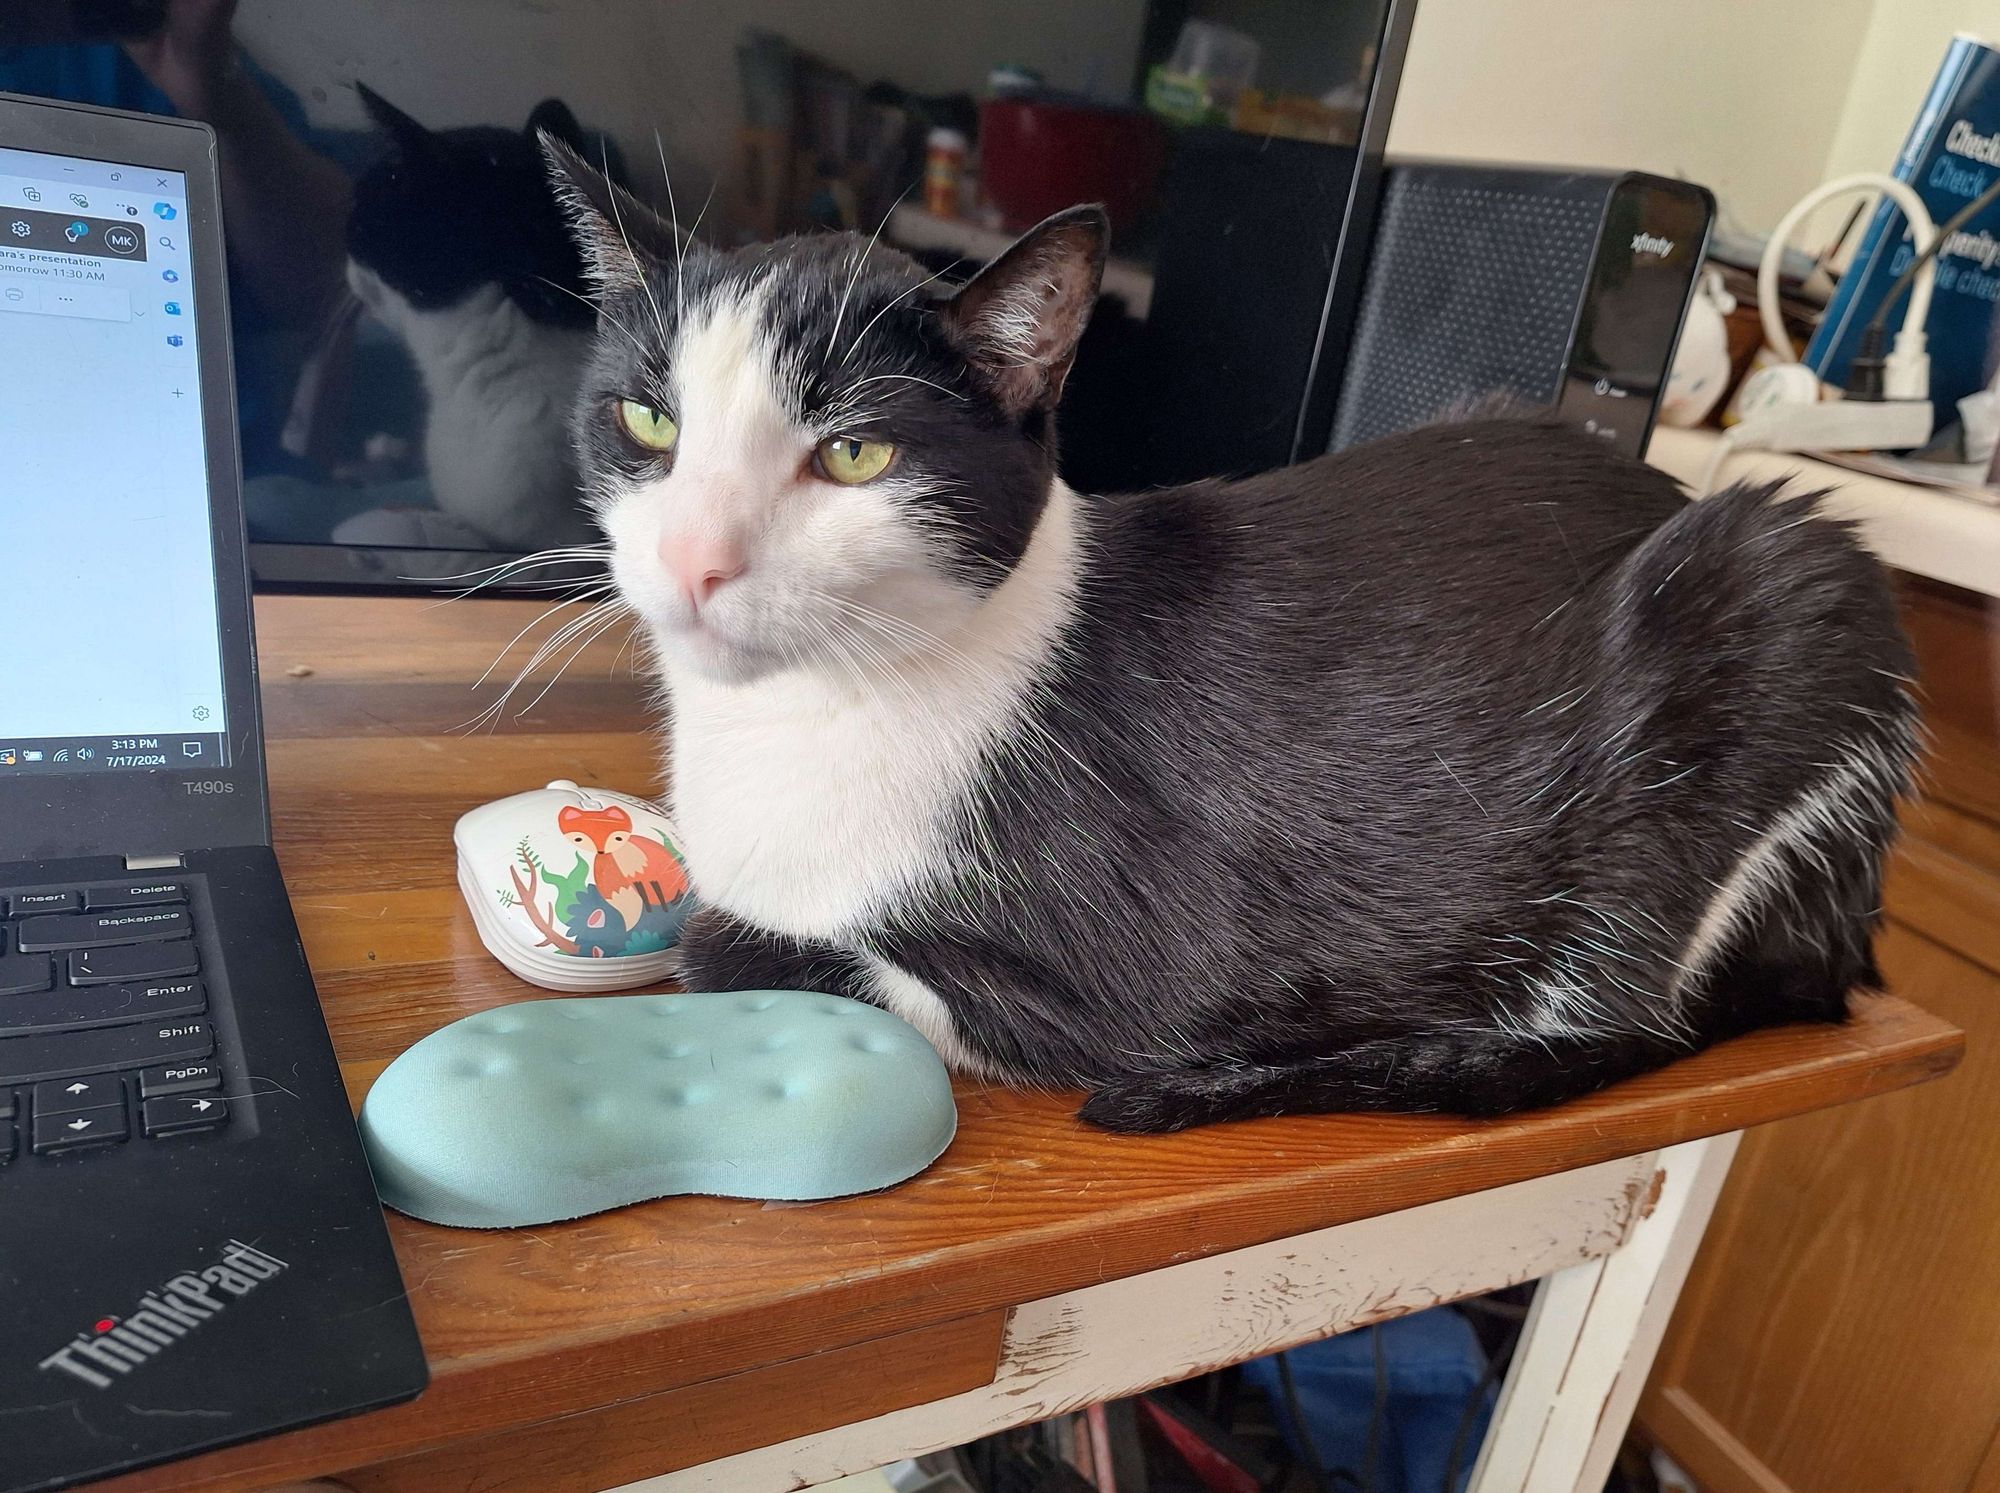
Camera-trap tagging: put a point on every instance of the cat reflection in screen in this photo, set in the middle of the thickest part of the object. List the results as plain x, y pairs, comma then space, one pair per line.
1466, 771
457, 244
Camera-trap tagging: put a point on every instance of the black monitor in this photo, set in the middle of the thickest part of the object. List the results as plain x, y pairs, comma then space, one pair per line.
410, 318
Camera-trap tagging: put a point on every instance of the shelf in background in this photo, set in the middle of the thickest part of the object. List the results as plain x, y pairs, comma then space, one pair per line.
913, 228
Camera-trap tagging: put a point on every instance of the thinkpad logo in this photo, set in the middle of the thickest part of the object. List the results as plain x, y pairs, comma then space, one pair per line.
162, 1317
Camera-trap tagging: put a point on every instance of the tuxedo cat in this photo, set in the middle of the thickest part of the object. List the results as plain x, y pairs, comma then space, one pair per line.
1466, 771
457, 244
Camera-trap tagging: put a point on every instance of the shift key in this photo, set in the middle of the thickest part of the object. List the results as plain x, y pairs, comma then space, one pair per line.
124, 963
144, 1045
89, 930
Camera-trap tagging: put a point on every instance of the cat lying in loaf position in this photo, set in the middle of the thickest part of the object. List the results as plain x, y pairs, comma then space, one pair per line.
1466, 771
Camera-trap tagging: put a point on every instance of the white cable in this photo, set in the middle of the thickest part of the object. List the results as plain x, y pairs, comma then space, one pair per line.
1922, 231
1725, 447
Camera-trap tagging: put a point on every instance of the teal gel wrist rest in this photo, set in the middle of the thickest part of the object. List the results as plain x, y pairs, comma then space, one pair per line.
551, 1109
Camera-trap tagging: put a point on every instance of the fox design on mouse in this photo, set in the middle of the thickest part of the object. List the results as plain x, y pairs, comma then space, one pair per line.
621, 897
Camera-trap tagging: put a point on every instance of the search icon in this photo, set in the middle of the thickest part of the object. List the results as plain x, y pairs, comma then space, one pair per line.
165, 242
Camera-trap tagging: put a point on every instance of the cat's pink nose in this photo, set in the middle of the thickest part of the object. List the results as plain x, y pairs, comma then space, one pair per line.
699, 565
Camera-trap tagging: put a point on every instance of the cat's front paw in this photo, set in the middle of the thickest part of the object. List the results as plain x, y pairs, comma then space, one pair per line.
1166, 1099
719, 951
1143, 1104
705, 955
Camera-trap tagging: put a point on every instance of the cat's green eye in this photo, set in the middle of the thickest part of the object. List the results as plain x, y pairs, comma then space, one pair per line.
850, 461
651, 428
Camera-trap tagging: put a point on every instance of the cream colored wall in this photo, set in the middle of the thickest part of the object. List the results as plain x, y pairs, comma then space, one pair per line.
1744, 96
1905, 42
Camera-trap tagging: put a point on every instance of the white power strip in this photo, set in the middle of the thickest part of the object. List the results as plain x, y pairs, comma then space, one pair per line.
1829, 425
1837, 425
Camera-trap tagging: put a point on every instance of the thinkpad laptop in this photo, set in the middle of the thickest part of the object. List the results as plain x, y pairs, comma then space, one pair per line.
191, 1252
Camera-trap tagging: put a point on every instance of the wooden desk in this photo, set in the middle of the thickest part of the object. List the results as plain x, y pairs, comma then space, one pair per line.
1038, 1266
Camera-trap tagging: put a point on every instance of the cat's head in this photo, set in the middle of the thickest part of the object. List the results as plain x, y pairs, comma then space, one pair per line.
445, 212
809, 454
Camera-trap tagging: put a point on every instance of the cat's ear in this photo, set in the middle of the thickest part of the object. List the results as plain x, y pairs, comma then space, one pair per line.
553, 117
408, 136
618, 234
1020, 318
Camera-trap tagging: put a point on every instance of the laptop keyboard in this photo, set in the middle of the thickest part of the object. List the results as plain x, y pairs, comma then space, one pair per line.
104, 1023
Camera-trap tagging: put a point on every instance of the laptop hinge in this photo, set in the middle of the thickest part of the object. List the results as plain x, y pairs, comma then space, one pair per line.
154, 862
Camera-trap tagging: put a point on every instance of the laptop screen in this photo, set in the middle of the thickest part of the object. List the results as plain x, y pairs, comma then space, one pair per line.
113, 658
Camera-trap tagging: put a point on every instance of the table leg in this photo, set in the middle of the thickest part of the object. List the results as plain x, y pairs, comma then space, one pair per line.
1590, 1338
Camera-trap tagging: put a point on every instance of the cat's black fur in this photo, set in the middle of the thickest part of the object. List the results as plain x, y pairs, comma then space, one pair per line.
1401, 779
1407, 766
444, 212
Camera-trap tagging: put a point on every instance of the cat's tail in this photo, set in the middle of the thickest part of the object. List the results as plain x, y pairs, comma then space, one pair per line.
1472, 1072
1480, 1072
1754, 648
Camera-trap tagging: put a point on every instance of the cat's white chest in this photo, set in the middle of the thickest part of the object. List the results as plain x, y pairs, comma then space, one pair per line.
815, 816
815, 804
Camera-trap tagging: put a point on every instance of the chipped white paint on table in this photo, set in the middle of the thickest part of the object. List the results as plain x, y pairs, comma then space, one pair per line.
1610, 1243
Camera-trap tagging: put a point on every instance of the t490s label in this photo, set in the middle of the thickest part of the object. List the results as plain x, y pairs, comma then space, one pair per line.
162, 1317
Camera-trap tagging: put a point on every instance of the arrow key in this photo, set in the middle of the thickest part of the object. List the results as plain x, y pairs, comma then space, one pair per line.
180, 1112
62, 1096
84, 1127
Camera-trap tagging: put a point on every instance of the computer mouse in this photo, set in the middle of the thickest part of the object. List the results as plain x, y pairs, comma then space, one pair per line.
575, 889
552, 1109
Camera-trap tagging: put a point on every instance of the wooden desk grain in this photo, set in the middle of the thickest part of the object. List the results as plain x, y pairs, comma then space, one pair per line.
363, 699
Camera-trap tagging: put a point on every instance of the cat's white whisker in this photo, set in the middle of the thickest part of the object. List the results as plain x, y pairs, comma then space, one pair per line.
551, 649
548, 649
638, 269
900, 298
507, 579
533, 623
910, 378
619, 614
567, 555
694, 231
604, 317
674, 222
631, 638
860, 259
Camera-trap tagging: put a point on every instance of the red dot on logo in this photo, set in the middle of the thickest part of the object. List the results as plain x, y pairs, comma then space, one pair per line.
107, 1324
